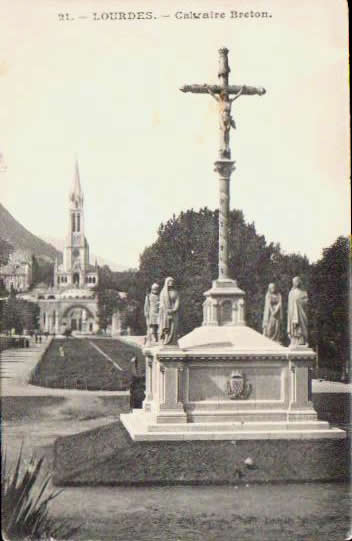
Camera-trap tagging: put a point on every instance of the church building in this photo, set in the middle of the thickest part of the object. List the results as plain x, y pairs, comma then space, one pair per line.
76, 270
72, 301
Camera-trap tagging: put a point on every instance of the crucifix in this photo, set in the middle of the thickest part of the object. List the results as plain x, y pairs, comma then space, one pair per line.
225, 94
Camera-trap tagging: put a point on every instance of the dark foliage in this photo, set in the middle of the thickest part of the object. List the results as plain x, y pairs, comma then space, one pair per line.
25, 498
330, 304
187, 249
5, 250
18, 314
43, 271
109, 300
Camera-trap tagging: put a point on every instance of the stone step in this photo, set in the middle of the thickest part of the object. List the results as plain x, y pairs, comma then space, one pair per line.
331, 433
144, 428
237, 427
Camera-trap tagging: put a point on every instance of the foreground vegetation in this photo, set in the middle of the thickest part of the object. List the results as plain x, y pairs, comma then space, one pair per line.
25, 498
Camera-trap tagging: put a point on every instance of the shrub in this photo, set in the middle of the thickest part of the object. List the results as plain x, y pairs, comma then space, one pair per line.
25, 498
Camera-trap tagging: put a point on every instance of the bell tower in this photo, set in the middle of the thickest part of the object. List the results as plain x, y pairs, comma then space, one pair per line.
76, 254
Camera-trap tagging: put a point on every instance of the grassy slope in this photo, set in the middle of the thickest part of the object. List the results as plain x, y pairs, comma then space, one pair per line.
83, 367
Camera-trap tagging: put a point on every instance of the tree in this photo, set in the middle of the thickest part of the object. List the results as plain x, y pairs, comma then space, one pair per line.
187, 250
5, 250
110, 287
19, 314
109, 301
330, 304
43, 271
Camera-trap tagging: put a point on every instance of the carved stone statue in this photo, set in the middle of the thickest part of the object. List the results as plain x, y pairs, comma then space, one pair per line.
297, 320
168, 313
272, 320
151, 313
226, 120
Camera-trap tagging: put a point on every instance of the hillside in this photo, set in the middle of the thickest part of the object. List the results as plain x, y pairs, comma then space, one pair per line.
20, 238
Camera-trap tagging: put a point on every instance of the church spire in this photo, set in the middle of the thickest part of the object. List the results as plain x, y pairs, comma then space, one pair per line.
77, 194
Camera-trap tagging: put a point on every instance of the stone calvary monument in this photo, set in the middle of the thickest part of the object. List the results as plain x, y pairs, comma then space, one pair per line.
223, 380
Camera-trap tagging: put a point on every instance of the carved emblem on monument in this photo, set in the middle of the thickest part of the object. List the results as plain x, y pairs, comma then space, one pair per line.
237, 387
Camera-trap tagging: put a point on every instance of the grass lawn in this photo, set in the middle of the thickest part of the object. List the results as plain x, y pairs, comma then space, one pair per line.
76, 364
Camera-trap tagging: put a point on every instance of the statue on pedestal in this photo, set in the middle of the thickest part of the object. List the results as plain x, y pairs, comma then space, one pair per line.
272, 320
297, 320
151, 313
168, 313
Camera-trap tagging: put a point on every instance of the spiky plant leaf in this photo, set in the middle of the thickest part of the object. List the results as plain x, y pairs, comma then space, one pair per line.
25, 500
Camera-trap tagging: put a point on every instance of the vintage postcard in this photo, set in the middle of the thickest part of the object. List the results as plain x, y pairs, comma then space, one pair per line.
174, 270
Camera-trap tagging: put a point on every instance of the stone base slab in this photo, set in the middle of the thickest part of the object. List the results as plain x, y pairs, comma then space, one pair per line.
144, 427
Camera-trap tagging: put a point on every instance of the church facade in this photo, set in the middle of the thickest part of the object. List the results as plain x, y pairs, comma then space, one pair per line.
71, 304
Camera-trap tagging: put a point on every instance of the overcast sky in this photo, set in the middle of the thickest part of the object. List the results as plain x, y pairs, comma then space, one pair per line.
108, 92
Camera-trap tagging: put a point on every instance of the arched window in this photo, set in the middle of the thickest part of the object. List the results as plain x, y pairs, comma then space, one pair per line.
73, 224
78, 223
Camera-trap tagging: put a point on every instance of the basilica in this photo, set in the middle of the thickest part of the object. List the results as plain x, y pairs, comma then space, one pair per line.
71, 303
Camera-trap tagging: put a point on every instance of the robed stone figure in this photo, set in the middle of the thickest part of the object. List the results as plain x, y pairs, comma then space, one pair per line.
272, 319
297, 320
168, 312
151, 313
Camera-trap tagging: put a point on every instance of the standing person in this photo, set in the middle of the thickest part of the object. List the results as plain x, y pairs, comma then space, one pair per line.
168, 313
134, 366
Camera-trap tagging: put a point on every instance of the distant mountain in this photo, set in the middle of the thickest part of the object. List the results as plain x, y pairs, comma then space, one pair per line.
60, 244
20, 238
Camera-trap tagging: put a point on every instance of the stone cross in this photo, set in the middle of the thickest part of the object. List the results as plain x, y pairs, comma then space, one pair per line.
224, 166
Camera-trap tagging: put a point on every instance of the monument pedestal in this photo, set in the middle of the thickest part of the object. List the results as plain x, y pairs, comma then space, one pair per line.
225, 380
224, 304
227, 383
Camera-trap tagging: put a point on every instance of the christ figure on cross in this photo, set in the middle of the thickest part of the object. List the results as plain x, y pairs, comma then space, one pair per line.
225, 118
224, 166
221, 93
